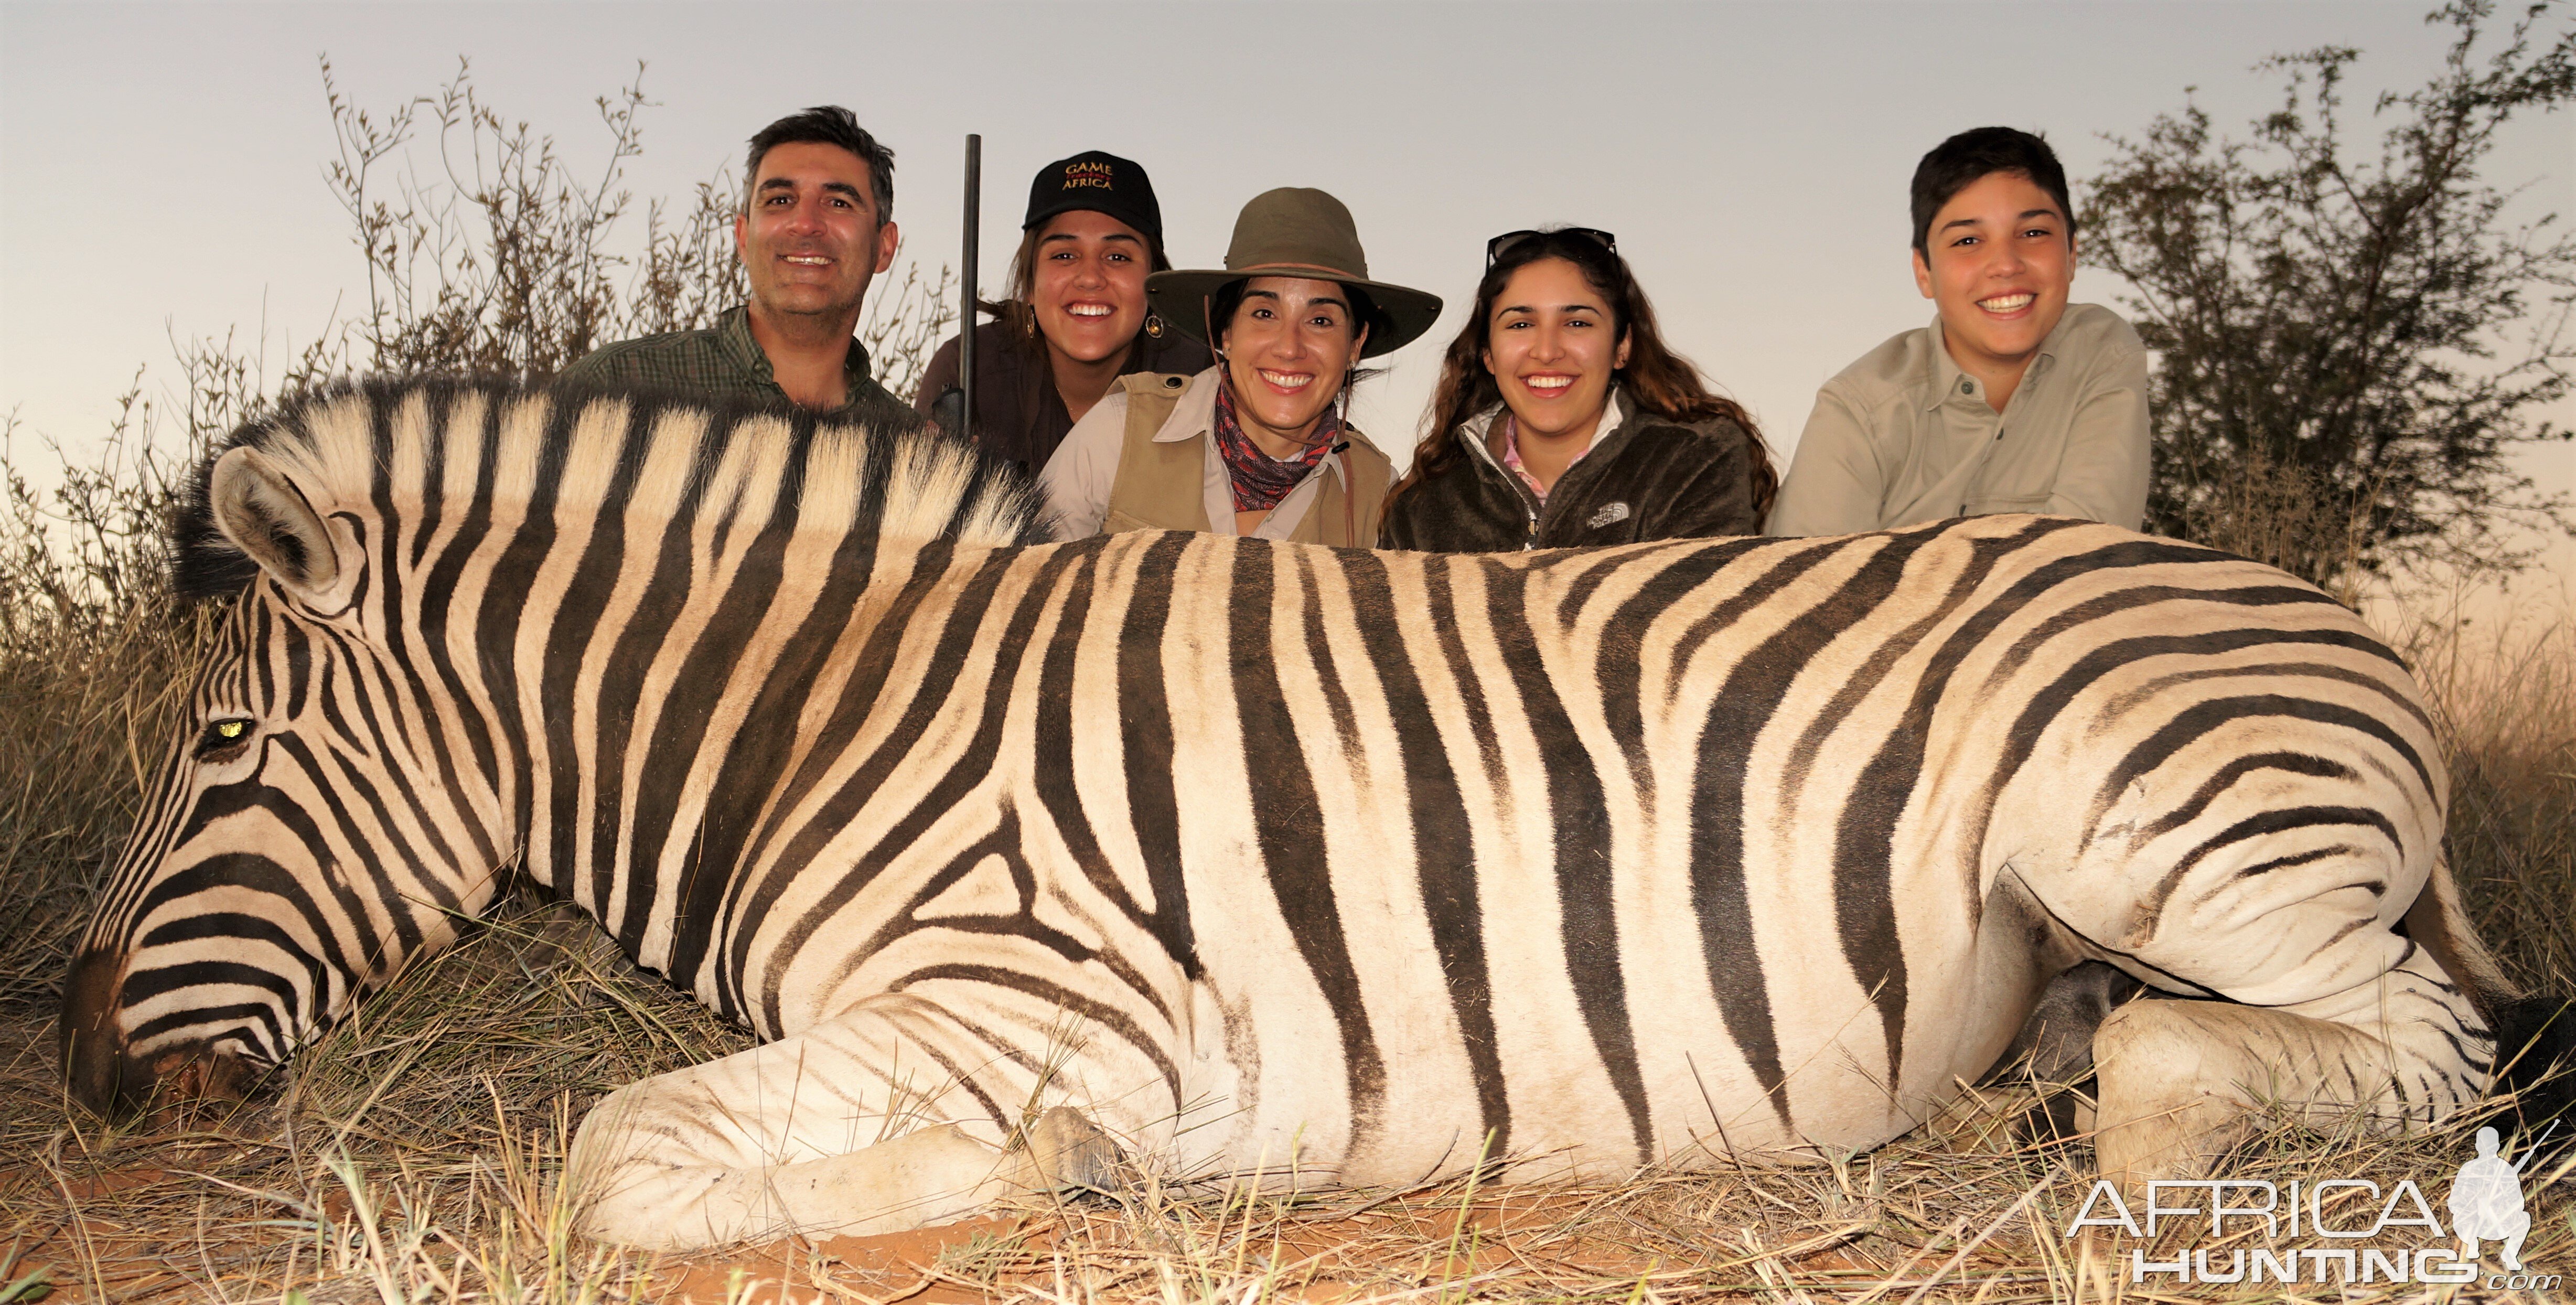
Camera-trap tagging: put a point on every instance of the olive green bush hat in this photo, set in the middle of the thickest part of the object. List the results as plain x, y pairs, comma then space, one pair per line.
1294, 231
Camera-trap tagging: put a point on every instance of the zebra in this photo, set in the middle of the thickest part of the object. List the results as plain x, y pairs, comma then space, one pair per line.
1232, 858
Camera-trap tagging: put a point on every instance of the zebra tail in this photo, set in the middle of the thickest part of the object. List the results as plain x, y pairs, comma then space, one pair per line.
2535, 1055
2438, 924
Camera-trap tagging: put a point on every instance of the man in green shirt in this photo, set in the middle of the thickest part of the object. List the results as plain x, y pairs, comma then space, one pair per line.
817, 224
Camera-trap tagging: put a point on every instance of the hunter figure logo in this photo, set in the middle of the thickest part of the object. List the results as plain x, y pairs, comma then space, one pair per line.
2486, 1203
1087, 174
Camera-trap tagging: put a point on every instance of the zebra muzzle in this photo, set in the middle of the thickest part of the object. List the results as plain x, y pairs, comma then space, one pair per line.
115, 1084
190, 1077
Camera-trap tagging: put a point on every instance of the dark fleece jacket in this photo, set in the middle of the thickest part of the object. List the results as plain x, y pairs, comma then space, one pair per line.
1652, 478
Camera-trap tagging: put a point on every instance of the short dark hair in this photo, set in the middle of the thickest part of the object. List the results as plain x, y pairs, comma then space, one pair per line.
1961, 161
826, 124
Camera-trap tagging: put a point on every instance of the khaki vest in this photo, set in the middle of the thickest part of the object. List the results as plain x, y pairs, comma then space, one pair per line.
1162, 485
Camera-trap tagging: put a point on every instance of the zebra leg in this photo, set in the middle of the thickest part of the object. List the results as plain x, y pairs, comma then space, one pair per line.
822, 1132
2180, 1081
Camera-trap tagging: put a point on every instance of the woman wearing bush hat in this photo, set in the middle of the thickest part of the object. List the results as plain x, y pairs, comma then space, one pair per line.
1257, 444
1076, 319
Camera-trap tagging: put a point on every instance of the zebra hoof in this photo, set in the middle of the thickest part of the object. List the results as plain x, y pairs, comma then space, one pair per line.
2154, 1118
1066, 1151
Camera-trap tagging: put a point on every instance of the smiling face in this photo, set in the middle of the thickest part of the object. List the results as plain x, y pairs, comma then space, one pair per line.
811, 239
1553, 348
1288, 346
2000, 266
1088, 285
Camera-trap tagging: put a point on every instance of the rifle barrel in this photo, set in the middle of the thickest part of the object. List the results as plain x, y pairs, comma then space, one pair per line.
966, 310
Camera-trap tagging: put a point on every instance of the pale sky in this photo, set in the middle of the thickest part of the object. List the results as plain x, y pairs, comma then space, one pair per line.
161, 165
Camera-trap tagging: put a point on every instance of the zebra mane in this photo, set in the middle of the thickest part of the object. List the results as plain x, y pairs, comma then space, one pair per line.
382, 446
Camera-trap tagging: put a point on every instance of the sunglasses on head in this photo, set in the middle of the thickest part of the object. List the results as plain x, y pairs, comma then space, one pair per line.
1504, 243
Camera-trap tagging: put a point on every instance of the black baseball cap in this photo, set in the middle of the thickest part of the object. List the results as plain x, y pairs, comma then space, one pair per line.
1099, 183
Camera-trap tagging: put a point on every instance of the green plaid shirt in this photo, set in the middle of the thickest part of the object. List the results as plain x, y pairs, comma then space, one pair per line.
725, 362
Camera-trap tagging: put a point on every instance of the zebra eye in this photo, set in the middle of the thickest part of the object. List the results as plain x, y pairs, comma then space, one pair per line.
223, 736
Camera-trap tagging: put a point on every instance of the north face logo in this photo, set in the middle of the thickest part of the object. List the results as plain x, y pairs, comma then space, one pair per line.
1609, 513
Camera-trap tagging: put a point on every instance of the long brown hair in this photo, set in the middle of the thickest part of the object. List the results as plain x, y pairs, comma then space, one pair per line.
1018, 317
1657, 379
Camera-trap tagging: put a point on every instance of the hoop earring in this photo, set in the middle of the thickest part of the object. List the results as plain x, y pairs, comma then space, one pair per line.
1154, 325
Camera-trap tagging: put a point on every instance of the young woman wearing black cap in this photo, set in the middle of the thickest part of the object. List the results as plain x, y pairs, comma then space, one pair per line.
1076, 319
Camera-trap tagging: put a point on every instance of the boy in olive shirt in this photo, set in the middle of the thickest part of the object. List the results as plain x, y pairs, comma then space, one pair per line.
2012, 400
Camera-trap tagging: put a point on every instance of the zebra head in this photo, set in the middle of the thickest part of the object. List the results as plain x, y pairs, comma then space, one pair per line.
296, 847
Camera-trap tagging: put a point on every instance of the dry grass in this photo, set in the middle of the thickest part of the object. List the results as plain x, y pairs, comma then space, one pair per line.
412, 1159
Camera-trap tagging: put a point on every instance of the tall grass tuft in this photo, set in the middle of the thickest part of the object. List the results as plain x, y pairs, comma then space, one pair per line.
95, 656
2504, 694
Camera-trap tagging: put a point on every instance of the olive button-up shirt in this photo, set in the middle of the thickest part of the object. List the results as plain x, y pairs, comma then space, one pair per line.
1903, 436
724, 362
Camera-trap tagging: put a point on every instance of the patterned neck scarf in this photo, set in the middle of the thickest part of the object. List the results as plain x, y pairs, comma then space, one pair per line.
1261, 480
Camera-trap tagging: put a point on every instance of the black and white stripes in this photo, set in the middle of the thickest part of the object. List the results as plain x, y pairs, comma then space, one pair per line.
1241, 847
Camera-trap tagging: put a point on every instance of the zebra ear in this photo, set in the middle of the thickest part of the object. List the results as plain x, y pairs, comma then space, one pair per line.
268, 518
